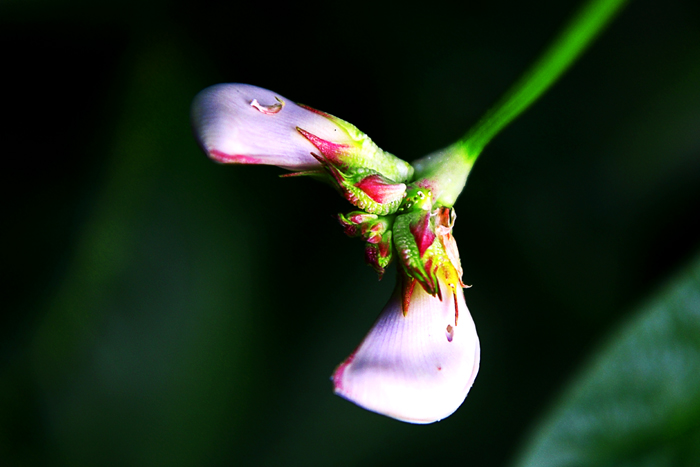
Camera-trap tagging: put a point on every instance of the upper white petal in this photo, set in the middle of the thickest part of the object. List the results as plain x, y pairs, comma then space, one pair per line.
226, 124
410, 367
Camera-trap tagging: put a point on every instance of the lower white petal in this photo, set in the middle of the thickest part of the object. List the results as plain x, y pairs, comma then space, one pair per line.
416, 368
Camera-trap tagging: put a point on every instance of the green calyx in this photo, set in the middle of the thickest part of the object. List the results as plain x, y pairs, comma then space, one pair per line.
365, 153
410, 234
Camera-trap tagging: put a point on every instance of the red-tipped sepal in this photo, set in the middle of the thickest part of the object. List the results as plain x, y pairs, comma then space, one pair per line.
376, 232
378, 254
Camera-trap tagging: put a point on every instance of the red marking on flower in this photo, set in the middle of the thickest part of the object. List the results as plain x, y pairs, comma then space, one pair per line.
334, 152
370, 230
374, 239
317, 112
427, 184
423, 234
407, 286
233, 158
384, 249
335, 173
454, 294
303, 173
338, 373
450, 332
380, 189
430, 283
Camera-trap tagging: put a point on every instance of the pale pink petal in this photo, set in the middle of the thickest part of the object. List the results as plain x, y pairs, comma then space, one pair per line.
416, 368
244, 124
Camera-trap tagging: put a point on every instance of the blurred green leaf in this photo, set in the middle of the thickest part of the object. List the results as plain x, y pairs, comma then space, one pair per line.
638, 402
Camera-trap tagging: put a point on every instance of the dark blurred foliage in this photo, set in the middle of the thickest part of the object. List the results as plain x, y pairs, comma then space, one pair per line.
165, 310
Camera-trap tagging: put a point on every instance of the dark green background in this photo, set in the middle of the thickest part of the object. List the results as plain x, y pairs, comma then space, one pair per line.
164, 310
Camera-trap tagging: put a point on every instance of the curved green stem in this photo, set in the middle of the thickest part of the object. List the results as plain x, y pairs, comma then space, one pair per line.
566, 48
446, 171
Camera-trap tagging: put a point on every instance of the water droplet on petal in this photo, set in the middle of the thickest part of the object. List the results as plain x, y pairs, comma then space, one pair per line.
268, 109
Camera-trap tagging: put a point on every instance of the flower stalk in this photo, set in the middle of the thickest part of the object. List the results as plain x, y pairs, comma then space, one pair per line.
456, 161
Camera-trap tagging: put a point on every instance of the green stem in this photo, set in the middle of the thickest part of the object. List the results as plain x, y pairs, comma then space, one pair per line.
572, 41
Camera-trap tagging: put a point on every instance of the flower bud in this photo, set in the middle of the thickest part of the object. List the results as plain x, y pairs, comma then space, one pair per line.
366, 189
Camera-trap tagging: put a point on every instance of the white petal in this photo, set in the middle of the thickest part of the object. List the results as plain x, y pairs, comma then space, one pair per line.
231, 125
416, 368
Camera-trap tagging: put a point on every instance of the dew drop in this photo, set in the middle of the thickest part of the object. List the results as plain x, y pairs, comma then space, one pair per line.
268, 109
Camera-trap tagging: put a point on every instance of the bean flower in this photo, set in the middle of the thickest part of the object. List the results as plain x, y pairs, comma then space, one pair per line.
420, 358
